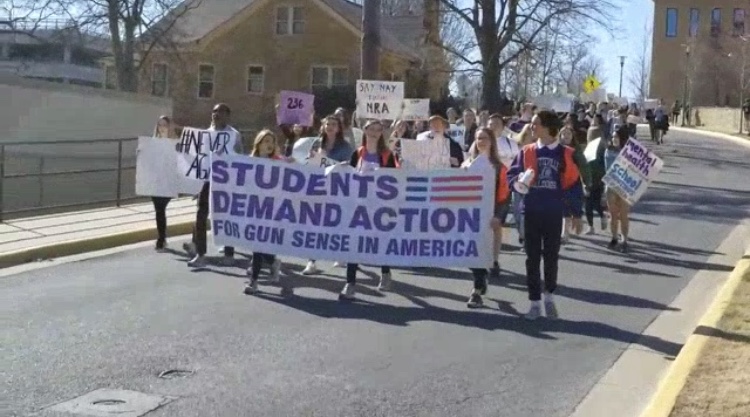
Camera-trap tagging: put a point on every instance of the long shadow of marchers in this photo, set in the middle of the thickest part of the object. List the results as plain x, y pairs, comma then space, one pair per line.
643, 254
722, 334
404, 316
623, 269
666, 248
595, 296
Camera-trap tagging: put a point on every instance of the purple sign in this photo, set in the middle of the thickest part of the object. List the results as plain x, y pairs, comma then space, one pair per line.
295, 108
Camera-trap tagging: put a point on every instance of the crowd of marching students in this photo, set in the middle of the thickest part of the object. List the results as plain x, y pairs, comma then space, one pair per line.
566, 186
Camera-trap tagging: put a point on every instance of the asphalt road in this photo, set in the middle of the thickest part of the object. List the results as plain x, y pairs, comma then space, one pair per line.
118, 321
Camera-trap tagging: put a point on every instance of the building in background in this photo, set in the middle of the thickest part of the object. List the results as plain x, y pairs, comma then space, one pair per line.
244, 52
53, 51
700, 52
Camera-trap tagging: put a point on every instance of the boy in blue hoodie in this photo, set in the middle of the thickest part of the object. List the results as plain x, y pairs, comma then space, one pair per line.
554, 172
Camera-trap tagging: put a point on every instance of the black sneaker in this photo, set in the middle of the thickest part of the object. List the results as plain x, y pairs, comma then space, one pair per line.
624, 247
612, 244
483, 289
495, 271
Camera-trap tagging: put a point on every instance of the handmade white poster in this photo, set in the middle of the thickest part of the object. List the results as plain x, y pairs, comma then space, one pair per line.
415, 109
632, 171
156, 173
426, 154
382, 100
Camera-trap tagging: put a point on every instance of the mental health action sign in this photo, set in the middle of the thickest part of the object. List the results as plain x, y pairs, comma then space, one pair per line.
385, 217
632, 172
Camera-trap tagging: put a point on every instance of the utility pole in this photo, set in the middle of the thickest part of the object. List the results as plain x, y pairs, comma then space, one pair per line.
622, 66
685, 81
370, 56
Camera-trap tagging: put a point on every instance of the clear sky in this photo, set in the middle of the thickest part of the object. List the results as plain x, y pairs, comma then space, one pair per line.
634, 15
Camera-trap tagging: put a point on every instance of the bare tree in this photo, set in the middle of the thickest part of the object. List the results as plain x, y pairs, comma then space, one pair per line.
26, 16
497, 24
134, 27
640, 72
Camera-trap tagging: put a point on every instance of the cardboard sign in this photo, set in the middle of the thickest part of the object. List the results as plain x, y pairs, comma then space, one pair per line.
295, 108
382, 100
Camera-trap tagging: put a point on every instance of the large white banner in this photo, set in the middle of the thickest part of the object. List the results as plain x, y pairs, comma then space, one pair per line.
632, 172
382, 100
388, 217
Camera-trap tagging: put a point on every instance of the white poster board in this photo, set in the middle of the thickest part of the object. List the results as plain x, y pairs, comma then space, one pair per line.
156, 173
382, 100
426, 154
416, 109
457, 133
632, 172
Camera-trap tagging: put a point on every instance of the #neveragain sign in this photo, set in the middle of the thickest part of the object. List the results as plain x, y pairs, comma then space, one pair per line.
385, 217
632, 172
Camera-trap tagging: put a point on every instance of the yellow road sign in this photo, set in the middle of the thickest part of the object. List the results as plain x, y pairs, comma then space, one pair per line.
591, 84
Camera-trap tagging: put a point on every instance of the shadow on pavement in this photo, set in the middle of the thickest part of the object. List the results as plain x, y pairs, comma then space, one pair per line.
403, 316
714, 332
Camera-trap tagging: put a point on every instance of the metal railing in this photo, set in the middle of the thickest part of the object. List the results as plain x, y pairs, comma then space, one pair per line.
54, 175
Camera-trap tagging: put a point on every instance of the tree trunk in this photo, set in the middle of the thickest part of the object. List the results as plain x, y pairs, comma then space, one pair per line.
370, 64
491, 86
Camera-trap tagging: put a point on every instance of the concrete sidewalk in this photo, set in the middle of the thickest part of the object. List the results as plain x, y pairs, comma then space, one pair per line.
45, 237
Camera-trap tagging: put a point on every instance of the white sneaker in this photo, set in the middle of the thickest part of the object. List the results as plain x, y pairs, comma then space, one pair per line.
251, 287
590, 231
535, 311
339, 264
275, 267
550, 310
189, 248
348, 292
385, 282
198, 261
310, 269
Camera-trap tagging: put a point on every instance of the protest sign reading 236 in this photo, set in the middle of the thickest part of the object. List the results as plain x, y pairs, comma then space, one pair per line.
294, 103
386, 217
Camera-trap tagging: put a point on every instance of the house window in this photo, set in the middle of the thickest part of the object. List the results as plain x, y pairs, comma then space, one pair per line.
695, 16
324, 76
738, 22
205, 81
671, 22
110, 77
159, 80
290, 20
255, 79
715, 22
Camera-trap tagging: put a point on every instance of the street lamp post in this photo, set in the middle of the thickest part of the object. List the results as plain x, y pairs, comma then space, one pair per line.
685, 84
622, 66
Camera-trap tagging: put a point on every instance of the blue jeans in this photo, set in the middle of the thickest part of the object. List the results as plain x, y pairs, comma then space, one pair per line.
517, 207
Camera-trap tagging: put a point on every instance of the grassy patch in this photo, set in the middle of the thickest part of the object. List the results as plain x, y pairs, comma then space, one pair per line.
719, 384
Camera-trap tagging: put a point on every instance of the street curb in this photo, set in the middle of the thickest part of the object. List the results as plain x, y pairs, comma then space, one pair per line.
665, 397
75, 247
718, 135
